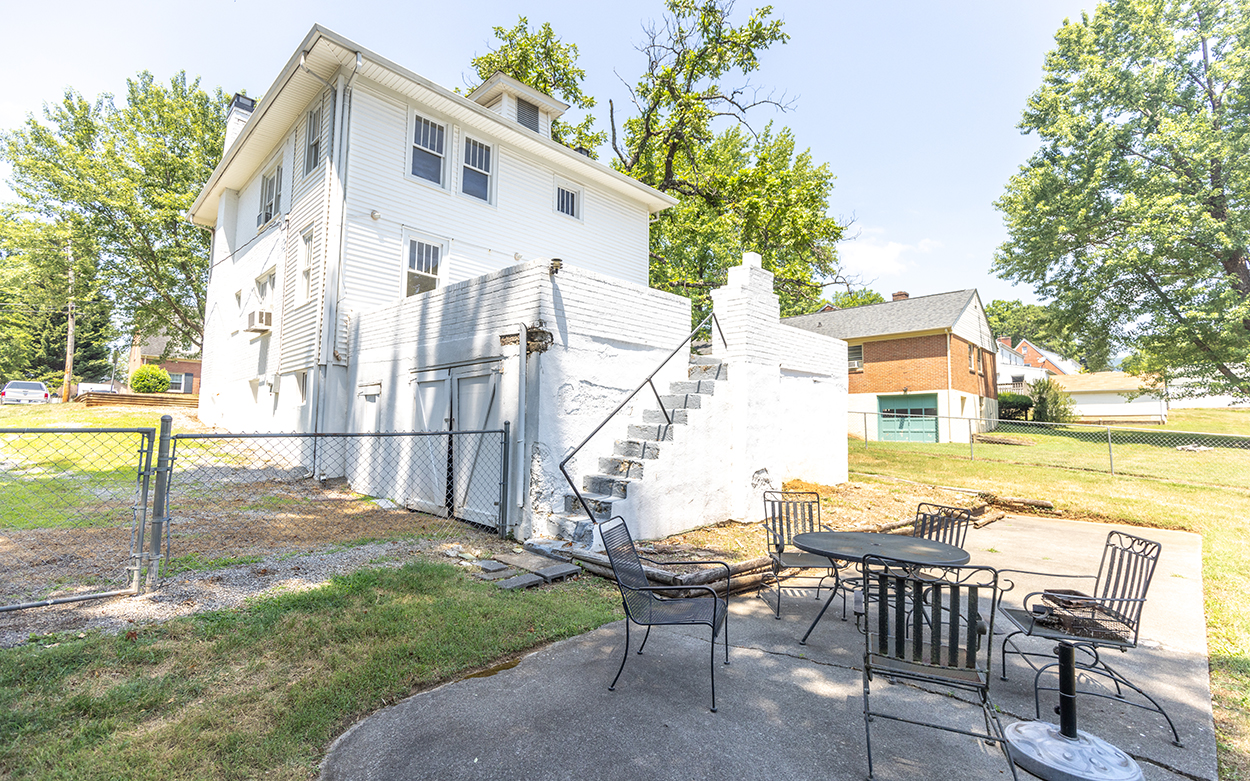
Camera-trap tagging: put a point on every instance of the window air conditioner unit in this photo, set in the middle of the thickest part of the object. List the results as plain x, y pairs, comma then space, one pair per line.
856, 364
259, 321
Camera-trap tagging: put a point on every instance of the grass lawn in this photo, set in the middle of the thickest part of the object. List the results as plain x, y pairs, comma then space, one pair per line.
1214, 421
261, 691
1220, 515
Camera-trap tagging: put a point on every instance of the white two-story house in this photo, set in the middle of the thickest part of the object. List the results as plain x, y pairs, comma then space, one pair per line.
391, 256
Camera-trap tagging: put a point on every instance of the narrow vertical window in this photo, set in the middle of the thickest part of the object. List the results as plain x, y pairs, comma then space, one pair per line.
312, 147
427, 150
303, 283
422, 268
270, 196
476, 179
972, 358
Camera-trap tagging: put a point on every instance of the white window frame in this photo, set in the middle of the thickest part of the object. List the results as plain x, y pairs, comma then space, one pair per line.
440, 278
182, 377
312, 140
579, 199
267, 202
266, 286
303, 270
972, 358
491, 175
415, 115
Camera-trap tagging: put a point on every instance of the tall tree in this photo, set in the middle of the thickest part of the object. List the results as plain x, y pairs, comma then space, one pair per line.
1038, 324
1131, 214
768, 199
541, 60
848, 299
128, 175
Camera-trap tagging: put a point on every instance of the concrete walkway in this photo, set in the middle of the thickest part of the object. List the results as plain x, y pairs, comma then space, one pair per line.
788, 711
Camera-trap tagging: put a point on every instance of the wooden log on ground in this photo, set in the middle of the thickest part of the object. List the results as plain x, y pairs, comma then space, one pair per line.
988, 519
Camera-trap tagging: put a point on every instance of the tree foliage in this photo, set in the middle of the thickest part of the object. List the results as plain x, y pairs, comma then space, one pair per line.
1051, 404
1043, 328
127, 176
1014, 406
770, 200
1131, 215
541, 60
848, 299
35, 257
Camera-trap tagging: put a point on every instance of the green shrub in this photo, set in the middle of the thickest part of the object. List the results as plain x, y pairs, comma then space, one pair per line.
149, 378
1014, 406
1051, 404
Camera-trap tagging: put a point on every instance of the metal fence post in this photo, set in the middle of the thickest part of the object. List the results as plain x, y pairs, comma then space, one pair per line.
160, 502
972, 449
503, 481
1110, 454
141, 519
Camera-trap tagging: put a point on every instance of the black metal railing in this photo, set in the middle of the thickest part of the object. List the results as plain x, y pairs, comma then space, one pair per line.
650, 380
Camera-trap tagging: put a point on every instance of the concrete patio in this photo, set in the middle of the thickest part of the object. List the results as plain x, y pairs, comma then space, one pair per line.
788, 711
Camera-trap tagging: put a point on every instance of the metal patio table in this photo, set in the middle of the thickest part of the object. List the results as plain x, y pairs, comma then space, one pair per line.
854, 546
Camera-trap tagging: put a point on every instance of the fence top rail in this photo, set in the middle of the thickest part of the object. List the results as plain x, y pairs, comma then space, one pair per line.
148, 431
330, 435
1098, 426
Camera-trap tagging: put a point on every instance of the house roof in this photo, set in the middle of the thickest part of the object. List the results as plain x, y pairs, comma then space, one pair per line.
909, 315
1100, 381
325, 53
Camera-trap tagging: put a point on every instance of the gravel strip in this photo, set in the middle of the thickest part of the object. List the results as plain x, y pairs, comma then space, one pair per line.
201, 591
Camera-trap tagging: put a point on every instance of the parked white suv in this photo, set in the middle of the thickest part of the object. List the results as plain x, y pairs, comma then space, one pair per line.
24, 392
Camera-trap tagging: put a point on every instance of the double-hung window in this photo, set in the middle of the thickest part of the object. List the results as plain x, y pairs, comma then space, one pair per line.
855, 357
270, 196
303, 283
475, 180
972, 358
423, 259
312, 143
428, 141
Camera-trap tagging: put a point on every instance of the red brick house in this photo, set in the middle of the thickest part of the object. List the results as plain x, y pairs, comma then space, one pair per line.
1034, 356
184, 372
915, 365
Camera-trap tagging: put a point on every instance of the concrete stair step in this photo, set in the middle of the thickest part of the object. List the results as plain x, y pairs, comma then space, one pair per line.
650, 433
718, 371
684, 401
607, 485
600, 505
632, 448
705, 360
621, 467
656, 416
700, 386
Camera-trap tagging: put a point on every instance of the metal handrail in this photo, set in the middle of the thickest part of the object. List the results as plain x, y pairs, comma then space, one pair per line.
648, 381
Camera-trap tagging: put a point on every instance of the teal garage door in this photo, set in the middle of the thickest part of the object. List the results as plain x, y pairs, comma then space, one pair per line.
910, 418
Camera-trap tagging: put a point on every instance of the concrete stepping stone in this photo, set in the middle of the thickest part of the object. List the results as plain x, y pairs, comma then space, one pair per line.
525, 580
558, 572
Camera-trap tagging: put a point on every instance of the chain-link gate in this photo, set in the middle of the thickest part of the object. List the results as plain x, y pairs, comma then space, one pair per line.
73, 510
232, 496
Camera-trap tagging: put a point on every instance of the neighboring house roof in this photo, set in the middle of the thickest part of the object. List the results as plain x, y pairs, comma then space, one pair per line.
908, 315
155, 346
325, 52
1106, 382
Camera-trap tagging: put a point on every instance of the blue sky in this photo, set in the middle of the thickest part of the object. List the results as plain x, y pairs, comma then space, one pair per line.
912, 104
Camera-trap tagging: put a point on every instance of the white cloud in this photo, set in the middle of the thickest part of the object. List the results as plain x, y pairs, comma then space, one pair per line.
871, 256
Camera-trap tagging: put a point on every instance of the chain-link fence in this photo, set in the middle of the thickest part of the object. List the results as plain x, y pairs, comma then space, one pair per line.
234, 496
90, 512
1160, 454
72, 504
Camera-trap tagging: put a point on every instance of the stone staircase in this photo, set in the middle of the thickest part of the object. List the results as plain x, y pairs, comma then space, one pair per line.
644, 440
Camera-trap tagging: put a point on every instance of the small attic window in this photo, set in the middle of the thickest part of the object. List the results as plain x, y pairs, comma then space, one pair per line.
527, 114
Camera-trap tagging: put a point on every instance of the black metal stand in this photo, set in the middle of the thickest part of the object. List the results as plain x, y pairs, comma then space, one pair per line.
1064, 753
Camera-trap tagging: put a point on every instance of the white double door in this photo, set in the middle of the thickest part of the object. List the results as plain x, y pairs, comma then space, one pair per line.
458, 475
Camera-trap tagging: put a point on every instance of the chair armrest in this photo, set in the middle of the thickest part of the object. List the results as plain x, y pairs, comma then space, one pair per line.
1010, 584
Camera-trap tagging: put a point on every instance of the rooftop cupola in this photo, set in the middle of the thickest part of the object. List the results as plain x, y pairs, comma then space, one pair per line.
519, 102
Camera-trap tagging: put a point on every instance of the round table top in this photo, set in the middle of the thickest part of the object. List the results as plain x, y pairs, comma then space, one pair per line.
854, 546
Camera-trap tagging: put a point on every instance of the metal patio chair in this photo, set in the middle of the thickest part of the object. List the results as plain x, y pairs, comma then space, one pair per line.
1107, 618
929, 629
941, 523
645, 606
787, 513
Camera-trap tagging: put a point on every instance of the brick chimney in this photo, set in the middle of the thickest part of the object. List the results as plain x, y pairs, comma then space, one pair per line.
241, 108
1005, 341
901, 296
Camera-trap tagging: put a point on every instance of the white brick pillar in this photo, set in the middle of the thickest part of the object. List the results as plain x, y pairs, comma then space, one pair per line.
748, 313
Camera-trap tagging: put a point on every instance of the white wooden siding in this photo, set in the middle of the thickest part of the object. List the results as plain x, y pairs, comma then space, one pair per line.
972, 325
611, 239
